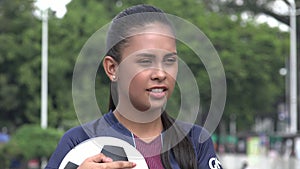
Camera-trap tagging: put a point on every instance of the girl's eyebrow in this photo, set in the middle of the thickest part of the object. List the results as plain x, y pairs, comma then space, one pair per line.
150, 55
171, 54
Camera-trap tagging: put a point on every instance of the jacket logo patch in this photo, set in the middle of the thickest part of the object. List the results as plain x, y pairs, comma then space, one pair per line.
214, 163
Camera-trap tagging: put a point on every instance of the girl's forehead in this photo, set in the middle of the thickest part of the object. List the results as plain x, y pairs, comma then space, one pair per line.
153, 28
150, 42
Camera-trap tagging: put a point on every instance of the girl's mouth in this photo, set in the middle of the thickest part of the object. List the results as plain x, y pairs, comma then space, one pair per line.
157, 93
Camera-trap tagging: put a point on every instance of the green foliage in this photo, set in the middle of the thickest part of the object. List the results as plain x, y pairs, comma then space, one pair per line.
251, 54
31, 141
16, 50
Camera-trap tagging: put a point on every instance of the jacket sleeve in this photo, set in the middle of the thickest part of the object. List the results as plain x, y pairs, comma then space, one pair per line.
68, 141
206, 155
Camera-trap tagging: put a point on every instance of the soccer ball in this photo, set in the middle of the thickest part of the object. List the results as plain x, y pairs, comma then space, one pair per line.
112, 147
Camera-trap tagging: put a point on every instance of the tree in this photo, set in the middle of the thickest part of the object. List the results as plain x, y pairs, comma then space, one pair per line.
256, 7
17, 48
31, 141
252, 55
243, 46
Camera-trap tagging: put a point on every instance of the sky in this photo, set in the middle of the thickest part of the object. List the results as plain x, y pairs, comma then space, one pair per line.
60, 9
280, 8
58, 6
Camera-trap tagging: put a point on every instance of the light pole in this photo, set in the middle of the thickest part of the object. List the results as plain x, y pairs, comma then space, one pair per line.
44, 81
293, 68
59, 7
42, 8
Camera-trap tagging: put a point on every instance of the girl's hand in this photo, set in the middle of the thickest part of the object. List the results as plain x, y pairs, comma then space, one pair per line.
100, 161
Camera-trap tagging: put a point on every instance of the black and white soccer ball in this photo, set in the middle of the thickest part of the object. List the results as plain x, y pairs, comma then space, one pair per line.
116, 148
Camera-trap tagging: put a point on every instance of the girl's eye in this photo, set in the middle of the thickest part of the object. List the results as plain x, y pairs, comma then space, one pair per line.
170, 60
145, 61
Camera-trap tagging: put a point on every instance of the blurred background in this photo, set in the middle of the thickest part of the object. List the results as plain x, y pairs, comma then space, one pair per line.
255, 40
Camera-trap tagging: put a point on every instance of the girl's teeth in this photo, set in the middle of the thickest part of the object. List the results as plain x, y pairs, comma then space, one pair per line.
157, 90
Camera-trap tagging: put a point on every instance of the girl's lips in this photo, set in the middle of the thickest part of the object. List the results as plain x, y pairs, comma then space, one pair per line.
157, 93
157, 89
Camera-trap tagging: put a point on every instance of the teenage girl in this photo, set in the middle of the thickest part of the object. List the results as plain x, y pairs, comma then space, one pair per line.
142, 64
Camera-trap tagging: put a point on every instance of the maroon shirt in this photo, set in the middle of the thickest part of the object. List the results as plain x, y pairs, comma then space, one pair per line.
151, 151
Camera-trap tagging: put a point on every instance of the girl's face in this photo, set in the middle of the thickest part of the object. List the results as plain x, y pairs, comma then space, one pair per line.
148, 69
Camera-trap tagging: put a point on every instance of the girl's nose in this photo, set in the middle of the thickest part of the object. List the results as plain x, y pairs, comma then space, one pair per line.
158, 74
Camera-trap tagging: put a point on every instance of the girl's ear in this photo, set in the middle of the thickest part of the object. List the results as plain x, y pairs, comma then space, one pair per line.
110, 66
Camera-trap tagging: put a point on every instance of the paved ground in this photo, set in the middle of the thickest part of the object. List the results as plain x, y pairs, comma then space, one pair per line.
234, 161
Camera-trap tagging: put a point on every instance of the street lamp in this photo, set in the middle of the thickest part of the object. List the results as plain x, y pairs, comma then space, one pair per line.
44, 81
43, 8
293, 68
59, 7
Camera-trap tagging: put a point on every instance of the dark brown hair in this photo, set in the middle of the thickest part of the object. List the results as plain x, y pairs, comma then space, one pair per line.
121, 28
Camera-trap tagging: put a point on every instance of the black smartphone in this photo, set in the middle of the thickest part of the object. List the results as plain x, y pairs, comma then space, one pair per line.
114, 152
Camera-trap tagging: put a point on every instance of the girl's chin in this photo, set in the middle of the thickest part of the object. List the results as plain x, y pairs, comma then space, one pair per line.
150, 107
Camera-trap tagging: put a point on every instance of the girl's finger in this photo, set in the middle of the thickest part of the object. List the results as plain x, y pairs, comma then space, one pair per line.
99, 158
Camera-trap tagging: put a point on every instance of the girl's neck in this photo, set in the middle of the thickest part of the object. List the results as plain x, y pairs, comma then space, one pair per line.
145, 131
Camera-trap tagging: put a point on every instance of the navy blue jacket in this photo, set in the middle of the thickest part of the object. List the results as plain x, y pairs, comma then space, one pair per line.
108, 125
